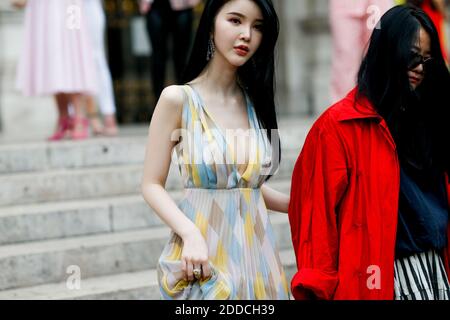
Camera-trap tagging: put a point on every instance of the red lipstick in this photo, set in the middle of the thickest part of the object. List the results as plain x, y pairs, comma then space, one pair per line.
241, 50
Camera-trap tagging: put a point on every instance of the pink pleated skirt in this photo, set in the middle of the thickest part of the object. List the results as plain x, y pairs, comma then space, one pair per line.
56, 55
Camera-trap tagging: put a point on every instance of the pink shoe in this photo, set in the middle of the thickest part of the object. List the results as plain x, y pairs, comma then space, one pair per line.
80, 129
64, 126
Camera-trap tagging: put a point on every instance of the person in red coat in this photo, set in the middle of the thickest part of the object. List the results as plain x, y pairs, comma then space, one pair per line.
369, 199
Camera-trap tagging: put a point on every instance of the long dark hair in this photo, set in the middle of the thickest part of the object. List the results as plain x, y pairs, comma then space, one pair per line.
417, 119
257, 75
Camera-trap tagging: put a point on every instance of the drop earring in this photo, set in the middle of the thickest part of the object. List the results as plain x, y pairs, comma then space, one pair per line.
211, 50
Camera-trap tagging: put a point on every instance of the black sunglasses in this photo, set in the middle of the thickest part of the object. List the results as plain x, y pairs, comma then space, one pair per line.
417, 59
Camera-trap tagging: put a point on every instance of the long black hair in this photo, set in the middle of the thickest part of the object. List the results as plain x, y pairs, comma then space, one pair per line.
257, 74
417, 119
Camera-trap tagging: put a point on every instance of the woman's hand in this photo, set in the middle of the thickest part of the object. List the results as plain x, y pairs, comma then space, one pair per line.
19, 4
195, 256
144, 6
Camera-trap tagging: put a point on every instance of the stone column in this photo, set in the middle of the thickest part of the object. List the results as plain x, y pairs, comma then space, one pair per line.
303, 58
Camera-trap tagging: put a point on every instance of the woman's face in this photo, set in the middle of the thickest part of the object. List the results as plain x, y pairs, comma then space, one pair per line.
420, 56
238, 31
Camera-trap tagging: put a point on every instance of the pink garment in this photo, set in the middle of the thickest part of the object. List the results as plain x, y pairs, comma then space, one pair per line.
352, 23
178, 5
56, 56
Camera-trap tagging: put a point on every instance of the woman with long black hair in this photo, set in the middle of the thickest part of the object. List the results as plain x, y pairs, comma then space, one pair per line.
369, 204
222, 245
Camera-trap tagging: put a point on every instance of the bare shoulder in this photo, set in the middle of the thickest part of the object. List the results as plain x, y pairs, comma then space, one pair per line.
169, 108
172, 97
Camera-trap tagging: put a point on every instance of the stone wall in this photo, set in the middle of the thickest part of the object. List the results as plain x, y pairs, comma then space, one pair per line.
304, 57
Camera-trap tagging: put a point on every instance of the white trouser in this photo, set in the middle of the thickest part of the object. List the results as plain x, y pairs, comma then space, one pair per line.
95, 17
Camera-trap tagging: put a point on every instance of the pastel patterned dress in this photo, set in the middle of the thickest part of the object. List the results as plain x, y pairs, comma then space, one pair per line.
228, 207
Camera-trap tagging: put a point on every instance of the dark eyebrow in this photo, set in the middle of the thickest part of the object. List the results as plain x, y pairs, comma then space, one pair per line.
243, 16
418, 49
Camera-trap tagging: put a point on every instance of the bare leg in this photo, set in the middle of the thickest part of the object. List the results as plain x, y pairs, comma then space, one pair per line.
92, 113
80, 123
63, 125
63, 103
110, 125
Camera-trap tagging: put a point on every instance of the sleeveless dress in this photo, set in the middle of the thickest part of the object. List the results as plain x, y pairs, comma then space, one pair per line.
228, 207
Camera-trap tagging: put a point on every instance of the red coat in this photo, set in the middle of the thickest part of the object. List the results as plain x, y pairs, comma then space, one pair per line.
344, 206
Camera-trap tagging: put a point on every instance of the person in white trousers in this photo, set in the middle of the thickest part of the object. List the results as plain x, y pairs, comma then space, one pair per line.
95, 17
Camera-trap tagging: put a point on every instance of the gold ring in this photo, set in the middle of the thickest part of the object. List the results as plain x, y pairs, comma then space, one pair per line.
197, 273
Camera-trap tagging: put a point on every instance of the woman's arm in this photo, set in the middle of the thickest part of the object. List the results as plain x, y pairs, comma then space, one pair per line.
319, 181
166, 120
275, 200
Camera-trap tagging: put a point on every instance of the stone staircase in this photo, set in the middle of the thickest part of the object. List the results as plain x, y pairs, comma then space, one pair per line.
78, 204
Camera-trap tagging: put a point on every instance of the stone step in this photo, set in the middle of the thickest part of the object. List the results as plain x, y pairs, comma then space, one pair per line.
140, 285
60, 185
41, 262
43, 156
55, 220
92, 183
127, 149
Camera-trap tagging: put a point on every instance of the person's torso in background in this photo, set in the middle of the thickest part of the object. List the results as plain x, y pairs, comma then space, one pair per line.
359, 8
177, 5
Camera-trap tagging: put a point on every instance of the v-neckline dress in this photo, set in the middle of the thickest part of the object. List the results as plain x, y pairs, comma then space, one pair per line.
228, 208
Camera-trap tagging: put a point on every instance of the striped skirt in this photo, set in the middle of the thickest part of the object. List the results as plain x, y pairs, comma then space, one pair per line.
421, 277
